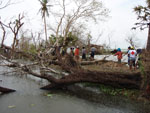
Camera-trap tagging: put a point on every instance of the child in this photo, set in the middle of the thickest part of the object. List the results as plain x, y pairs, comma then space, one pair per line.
119, 55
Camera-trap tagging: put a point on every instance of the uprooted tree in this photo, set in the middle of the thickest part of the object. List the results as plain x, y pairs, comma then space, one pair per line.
74, 72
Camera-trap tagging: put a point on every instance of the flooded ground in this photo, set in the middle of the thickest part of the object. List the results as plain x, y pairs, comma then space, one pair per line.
29, 98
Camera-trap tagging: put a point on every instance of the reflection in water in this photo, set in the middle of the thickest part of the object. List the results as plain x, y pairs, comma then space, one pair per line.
30, 99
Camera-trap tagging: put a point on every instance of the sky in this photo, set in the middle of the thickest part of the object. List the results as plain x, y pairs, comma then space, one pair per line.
114, 31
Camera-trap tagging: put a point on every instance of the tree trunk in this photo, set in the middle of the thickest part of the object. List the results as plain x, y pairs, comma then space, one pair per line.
148, 40
45, 28
119, 80
145, 86
6, 90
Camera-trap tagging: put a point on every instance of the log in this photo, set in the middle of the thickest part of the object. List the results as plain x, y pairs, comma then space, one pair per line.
6, 90
119, 80
98, 62
79, 75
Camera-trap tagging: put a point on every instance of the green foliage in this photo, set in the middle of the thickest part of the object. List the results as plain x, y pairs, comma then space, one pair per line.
45, 1
143, 13
114, 91
52, 39
44, 8
70, 41
141, 68
26, 45
32, 49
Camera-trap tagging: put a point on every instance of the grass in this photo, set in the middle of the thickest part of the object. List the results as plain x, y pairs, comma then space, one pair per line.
134, 94
110, 67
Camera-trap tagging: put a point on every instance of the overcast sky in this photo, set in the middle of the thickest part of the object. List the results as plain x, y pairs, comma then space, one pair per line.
115, 30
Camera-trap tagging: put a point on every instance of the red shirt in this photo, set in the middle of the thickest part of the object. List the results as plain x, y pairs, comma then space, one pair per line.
76, 52
119, 55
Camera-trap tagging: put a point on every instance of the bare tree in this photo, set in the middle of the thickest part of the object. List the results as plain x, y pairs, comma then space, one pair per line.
4, 34
4, 4
81, 10
15, 27
133, 40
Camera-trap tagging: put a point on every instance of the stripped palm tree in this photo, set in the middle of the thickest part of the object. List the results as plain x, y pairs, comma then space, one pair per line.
44, 12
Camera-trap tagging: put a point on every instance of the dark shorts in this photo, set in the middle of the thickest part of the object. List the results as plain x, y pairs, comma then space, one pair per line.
83, 56
132, 62
128, 61
92, 54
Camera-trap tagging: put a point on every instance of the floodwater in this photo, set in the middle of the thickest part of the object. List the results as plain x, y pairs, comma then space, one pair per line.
29, 98
111, 57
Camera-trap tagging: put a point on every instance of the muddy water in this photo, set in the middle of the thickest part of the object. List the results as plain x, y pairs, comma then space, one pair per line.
30, 99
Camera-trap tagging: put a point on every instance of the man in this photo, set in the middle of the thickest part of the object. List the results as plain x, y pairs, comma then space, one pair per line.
77, 53
72, 51
93, 50
132, 55
129, 48
83, 53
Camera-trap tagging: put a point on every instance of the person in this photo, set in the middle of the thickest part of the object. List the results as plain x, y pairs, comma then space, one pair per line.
72, 51
93, 50
77, 53
129, 48
83, 53
119, 55
62, 51
132, 55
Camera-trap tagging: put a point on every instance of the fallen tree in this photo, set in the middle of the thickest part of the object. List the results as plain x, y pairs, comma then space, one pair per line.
118, 80
76, 74
6, 90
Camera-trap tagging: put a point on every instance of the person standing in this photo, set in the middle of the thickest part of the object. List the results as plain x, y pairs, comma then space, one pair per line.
77, 53
72, 51
93, 50
119, 55
129, 48
83, 53
132, 55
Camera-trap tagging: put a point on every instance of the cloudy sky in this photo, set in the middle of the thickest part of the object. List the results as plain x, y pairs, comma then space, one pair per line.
115, 30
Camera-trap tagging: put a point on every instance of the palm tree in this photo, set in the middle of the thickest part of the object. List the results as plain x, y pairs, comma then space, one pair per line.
44, 12
144, 17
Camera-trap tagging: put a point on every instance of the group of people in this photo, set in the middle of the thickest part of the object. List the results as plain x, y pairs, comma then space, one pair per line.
76, 52
132, 56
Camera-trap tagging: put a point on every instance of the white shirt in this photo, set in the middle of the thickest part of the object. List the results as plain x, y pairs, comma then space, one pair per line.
132, 53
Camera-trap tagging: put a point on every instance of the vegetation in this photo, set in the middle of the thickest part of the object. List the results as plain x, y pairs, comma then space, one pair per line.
66, 33
143, 13
71, 40
134, 94
44, 12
